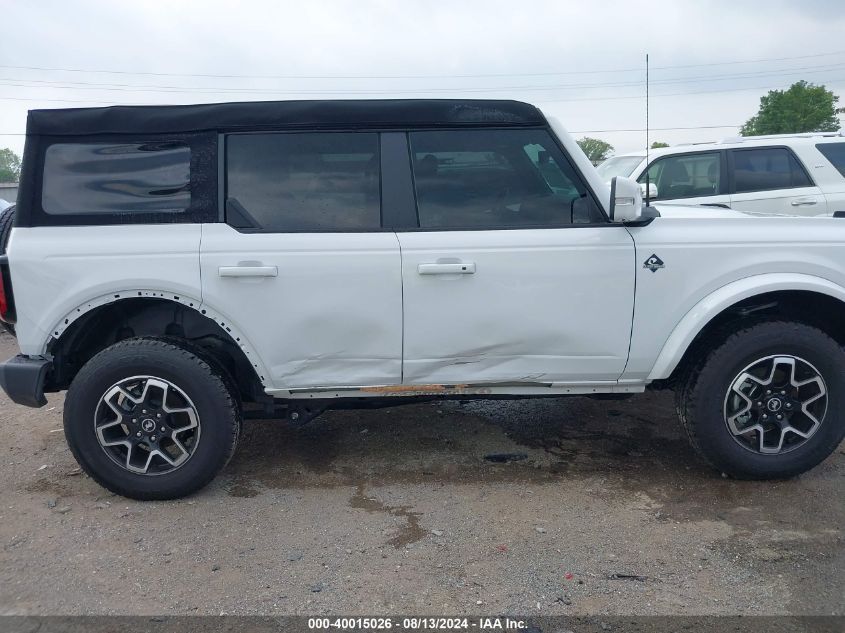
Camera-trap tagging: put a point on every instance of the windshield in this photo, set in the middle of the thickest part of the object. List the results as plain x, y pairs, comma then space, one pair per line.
619, 166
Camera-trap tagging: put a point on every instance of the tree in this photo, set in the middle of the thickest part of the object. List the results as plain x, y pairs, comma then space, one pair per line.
10, 166
803, 107
659, 144
595, 149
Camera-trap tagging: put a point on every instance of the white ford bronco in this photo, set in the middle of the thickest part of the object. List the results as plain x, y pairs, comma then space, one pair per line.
179, 268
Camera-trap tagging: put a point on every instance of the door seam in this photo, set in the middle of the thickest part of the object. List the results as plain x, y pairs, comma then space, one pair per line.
402, 299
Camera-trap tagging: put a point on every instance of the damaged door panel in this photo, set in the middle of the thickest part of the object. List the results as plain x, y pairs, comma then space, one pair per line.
302, 263
543, 306
514, 273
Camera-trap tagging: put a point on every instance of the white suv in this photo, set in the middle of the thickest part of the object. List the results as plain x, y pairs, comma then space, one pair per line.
177, 269
788, 174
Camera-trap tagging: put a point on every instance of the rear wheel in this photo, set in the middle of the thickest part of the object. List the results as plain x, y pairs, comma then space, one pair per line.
150, 419
7, 219
767, 402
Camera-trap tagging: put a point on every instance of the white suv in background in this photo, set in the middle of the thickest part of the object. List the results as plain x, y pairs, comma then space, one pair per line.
786, 174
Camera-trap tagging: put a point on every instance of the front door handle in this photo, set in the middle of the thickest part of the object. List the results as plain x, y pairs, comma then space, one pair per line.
451, 268
801, 202
248, 271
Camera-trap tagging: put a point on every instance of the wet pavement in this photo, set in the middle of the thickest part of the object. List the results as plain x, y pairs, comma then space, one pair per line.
596, 507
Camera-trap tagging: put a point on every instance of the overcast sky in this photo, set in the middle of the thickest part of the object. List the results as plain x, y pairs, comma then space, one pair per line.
580, 61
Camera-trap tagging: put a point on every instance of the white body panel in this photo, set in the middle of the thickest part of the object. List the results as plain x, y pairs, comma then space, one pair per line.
797, 201
715, 258
547, 305
58, 271
332, 315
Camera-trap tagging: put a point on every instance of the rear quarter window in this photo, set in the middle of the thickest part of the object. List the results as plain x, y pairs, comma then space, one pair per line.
835, 153
116, 178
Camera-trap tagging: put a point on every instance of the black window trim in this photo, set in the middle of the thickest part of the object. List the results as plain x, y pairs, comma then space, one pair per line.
203, 147
416, 228
723, 170
224, 187
732, 175
399, 212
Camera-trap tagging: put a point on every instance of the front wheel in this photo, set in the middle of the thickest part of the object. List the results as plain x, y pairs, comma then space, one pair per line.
149, 419
767, 402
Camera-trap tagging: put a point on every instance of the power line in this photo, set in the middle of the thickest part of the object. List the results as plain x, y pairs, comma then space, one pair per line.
456, 91
658, 129
84, 85
458, 76
671, 94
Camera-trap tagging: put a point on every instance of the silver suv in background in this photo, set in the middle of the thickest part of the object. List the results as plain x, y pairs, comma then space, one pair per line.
787, 174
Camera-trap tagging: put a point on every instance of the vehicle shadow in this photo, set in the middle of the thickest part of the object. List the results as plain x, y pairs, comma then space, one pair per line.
633, 451
537, 440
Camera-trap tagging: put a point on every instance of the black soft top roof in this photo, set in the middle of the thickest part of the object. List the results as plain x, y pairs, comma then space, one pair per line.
281, 114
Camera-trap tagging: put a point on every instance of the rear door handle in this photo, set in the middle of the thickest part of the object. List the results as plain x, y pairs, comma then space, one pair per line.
452, 268
248, 271
801, 202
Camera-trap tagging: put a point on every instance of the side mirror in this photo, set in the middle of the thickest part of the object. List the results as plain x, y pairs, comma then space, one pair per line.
652, 190
626, 200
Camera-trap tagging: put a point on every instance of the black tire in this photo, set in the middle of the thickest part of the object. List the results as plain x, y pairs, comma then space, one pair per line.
701, 399
216, 408
7, 219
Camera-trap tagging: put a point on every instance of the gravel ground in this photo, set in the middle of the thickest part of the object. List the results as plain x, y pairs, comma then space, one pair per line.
398, 511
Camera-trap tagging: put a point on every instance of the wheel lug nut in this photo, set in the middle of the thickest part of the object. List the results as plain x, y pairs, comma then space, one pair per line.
768, 392
144, 410
138, 434
788, 405
783, 393
162, 429
158, 415
779, 416
759, 404
153, 438
134, 420
765, 416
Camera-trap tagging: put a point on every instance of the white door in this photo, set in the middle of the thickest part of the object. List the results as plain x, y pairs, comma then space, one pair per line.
514, 275
302, 268
523, 306
771, 181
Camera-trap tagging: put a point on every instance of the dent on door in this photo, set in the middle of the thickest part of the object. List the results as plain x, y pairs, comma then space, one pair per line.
321, 309
529, 306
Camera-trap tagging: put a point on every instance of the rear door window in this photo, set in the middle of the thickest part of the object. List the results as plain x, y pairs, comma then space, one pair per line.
766, 169
319, 181
835, 153
116, 178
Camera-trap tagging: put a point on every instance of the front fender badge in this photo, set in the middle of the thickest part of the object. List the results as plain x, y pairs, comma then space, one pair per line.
653, 263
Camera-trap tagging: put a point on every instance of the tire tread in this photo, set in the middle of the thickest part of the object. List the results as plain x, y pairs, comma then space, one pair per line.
720, 346
219, 381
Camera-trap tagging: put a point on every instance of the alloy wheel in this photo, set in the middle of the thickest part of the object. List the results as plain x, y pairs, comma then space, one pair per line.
775, 404
147, 425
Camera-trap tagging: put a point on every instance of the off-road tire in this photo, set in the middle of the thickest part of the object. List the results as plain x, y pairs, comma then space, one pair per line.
200, 378
7, 219
700, 398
